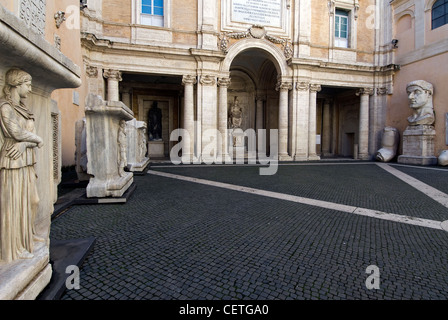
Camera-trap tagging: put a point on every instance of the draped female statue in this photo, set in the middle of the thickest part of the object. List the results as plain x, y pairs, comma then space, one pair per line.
18, 191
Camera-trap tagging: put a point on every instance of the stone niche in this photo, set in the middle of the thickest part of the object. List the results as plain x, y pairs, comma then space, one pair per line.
21, 47
137, 150
107, 147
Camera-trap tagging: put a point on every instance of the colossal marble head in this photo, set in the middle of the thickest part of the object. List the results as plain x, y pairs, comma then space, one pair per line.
420, 94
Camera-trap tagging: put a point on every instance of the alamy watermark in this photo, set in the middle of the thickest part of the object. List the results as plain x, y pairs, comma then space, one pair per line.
72, 281
373, 280
242, 147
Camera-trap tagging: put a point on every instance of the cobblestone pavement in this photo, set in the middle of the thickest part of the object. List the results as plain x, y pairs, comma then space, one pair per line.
177, 239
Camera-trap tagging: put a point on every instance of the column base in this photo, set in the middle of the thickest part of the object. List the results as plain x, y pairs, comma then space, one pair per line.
416, 160
300, 158
284, 157
313, 157
363, 157
226, 158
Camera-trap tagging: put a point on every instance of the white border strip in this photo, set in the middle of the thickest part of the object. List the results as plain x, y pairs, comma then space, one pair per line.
202, 165
431, 192
312, 202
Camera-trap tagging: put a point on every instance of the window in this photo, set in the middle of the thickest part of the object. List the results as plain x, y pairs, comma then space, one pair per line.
439, 13
152, 13
341, 29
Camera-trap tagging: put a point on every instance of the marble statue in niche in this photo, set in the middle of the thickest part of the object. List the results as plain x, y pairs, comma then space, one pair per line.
236, 115
420, 95
122, 146
19, 198
155, 122
389, 145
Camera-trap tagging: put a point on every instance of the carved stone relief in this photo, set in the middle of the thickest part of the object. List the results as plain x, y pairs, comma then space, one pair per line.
33, 13
18, 195
255, 32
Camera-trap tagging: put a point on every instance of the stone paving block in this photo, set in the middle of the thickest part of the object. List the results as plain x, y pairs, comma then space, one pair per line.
181, 240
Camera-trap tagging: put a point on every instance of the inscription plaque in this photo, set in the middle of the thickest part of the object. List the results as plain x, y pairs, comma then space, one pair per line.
259, 12
33, 13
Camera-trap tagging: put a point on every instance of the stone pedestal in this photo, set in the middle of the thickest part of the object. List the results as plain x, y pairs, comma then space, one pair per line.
137, 146
24, 48
105, 149
156, 149
418, 145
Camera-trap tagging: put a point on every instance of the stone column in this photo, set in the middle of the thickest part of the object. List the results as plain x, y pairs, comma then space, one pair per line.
363, 135
335, 129
259, 124
314, 89
188, 122
283, 88
113, 78
326, 130
208, 104
303, 104
223, 84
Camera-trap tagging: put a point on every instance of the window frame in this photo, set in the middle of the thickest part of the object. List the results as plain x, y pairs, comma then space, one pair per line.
339, 16
444, 5
137, 14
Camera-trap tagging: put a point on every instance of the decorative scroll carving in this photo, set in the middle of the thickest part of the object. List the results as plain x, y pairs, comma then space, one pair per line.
365, 91
256, 32
112, 74
302, 86
207, 80
33, 13
92, 72
282, 85
59, 18
315, 87
189, 79
55, 127
224, 82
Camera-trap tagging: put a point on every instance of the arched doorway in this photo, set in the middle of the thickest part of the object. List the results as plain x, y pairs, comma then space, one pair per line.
255, 68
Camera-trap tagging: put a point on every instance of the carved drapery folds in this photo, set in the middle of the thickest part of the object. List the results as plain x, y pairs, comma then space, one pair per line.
255, 32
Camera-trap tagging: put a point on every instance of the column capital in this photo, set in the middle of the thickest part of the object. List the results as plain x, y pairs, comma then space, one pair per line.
315, 87
302, 86
364, 92
283, 85
224, 82
189, 79
382, 91
91, 71
207, 80
112, 74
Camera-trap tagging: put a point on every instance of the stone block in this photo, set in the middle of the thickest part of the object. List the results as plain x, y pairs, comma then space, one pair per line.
156, 149
137, 145
107, 147
418, 145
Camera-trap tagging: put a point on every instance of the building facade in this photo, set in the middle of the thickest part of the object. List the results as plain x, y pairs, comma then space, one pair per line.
328, 75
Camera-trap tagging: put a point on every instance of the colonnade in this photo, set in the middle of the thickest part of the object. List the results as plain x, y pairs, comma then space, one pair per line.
298, 144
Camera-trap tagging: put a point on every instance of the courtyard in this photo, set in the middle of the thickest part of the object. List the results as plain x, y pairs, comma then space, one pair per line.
310, 232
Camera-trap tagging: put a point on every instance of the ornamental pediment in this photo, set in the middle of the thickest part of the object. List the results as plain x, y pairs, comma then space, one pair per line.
255, 32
